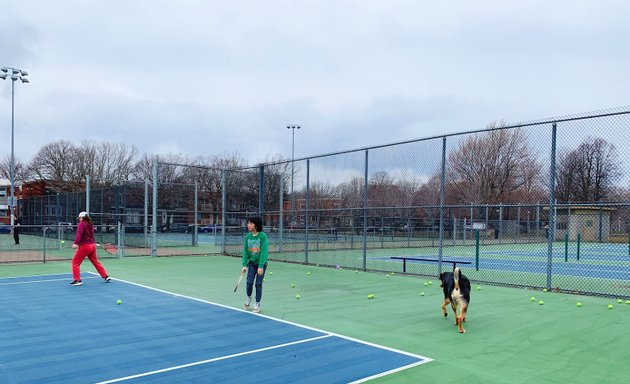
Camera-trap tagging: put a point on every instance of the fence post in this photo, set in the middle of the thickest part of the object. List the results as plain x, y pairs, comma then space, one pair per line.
579, 240
552, 203
477, 250
442, 192
566, 247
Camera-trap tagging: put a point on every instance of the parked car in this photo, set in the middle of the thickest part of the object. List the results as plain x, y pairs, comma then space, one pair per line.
62, 226
210, 228
176, 227
5, 228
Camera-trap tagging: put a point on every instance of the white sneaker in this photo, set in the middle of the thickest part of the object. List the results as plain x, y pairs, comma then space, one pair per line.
256, 308
247, 302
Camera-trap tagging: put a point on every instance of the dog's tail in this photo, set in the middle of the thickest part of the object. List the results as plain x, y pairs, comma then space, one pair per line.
456, 273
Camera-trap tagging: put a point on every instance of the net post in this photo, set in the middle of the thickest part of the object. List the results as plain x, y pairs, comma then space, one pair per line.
579, 240
477, 250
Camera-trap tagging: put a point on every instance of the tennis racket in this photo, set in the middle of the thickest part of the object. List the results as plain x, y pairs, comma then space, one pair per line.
110, 248
238, 282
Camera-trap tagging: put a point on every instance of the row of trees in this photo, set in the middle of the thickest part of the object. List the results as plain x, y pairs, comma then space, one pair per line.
497, 166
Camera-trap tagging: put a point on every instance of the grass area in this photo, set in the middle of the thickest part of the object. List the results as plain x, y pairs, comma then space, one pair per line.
509, 338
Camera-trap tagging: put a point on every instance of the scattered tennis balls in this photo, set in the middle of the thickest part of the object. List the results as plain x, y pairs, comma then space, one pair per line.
544, 289
356, 271
430, 283
297, 296
425, 284
308, 273
532, 298
292, 285
371, 296
270, 273
421, 293
541, 302
63, 241
628, 302
578, 304
118, 301
610, 306
619, 301
479, 287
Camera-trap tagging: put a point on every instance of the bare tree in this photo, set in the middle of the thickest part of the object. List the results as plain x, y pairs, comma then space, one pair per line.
22, 171
587, 173
56, 162
492, 167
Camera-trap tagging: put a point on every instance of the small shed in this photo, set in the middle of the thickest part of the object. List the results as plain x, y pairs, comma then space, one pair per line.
592, 223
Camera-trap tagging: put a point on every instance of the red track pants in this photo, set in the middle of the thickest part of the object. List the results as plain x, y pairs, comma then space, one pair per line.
89, 251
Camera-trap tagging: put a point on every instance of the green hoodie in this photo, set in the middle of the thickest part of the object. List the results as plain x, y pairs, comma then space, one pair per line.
255, 249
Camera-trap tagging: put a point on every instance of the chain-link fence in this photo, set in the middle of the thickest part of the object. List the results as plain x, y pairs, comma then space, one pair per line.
542, 204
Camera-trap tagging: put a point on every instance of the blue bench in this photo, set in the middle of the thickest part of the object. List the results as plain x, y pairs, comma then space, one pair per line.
413, 258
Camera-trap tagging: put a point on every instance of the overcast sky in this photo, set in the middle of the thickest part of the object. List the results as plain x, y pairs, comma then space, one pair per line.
204, 78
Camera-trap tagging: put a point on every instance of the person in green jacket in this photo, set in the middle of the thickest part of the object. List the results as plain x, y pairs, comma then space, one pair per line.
255, 247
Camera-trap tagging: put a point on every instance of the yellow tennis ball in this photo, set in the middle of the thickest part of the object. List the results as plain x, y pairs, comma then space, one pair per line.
610, 306
541, 302
292, 285
308, 273
118, 301
297, 296
619, 301
578, 304
421, 293
532, 298
544, 289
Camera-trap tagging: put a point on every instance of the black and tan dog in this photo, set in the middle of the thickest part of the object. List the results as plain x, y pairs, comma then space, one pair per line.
456, 288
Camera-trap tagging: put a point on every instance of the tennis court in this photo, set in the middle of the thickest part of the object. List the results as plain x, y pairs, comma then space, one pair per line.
509, 339
56, 333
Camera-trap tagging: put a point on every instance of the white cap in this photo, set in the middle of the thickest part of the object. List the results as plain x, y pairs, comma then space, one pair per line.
83, 214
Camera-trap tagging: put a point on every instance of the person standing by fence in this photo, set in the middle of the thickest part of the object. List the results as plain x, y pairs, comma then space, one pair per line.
16, 230
85, 247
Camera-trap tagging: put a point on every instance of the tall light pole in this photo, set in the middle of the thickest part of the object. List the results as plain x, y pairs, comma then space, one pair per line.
14, 74
292, 128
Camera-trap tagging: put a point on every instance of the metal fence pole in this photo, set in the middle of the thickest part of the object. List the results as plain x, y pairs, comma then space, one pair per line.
306, 213
442, 188
281, 217
223, 200
195, 241
154, 213
552, 204
365, 209
87, 194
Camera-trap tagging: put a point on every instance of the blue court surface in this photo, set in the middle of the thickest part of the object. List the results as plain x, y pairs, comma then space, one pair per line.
51, 332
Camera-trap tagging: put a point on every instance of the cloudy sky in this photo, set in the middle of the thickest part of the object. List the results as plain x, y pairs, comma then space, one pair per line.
206, 77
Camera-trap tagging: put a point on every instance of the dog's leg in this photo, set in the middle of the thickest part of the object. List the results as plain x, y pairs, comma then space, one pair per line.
444, 304
454, 306
462, 316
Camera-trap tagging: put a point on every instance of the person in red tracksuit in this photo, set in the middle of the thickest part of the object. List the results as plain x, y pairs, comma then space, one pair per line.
85, 247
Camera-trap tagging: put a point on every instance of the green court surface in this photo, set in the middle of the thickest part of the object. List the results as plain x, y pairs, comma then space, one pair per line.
509, 339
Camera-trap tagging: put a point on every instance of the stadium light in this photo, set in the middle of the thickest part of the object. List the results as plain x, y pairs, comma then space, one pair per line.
14, 74
292, 128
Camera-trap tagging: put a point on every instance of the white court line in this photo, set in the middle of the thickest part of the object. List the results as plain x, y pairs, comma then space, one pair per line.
423, 359
37, 281
212, 360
